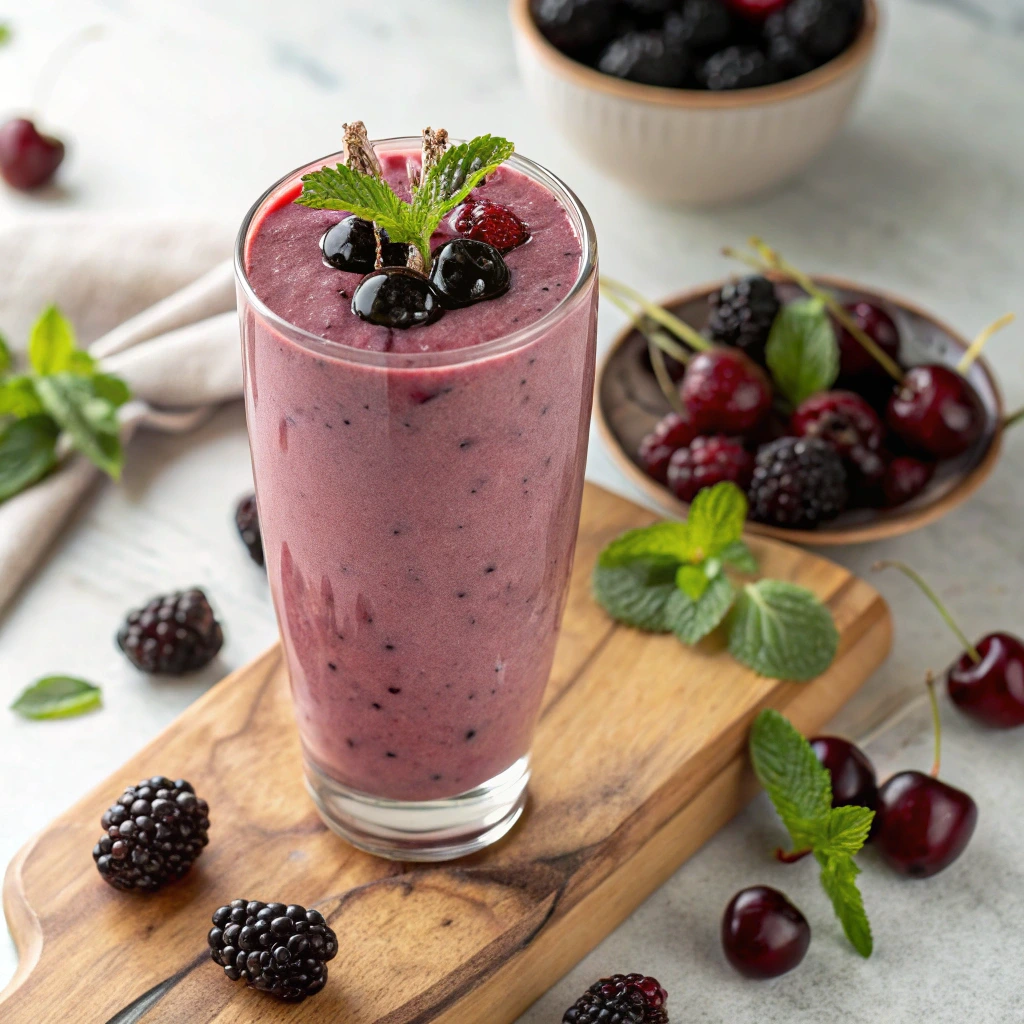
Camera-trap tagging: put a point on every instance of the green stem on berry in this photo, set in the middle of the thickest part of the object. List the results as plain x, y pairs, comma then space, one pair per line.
56, 62
1013, 418
974, 349
936, 724
682, 330
971, 650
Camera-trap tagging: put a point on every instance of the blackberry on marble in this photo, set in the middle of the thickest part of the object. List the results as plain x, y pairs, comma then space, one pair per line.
247, 520
172, 634
277, 949
154, 833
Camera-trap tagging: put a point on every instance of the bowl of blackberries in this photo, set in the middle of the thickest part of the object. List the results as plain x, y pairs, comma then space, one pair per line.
696, 101
755, 381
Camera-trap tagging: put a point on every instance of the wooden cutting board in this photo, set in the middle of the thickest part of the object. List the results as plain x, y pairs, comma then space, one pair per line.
639, 758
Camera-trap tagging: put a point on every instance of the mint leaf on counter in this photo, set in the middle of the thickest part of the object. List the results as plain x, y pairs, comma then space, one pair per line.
27, 453
782, 631
89, 421
800, 789
802, 351
57, 697
51, 342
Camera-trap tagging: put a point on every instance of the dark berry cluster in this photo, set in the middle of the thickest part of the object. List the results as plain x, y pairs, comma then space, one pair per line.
701, 44
868, 443
620, 999
173, 634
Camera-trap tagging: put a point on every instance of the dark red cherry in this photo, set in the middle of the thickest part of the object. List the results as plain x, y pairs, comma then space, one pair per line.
763, 934
670, 433
905, 478
990, 690
841, 418
725, 391
28, 159
853, 775
854, 359
923, 824
937, 411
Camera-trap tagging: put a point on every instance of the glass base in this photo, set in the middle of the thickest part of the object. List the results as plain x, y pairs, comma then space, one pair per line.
422, 830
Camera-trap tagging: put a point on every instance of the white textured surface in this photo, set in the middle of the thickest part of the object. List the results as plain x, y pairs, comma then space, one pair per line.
196, 105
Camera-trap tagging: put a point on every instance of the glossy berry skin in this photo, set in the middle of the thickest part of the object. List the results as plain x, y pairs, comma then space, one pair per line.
726, 392
841, 418
484, 221
854, 359
28, 159
904, 479
923, 824
465, 271
707, 461
763, 934
396, 297
991, 691
758, 9
669, 434
574, 26
853, 776
350, 245
936, 411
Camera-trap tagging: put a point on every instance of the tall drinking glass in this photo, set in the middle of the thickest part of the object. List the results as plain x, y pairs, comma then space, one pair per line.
419, 512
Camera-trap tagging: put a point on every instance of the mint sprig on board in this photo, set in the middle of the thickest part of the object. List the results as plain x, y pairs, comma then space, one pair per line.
57, 697
800, 789
63, 399
445, 184
671, 577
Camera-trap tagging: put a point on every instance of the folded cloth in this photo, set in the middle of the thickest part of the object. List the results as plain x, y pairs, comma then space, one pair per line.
154, 302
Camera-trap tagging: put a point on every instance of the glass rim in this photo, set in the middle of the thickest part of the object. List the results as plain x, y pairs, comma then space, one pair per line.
576, 211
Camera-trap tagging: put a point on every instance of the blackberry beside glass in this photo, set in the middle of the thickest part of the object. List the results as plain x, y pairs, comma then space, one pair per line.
714, 45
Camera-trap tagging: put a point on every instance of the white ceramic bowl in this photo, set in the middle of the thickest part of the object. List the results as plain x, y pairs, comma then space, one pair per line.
690, 146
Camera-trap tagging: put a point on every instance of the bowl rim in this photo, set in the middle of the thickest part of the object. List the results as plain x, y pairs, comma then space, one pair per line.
850, 60
893, 526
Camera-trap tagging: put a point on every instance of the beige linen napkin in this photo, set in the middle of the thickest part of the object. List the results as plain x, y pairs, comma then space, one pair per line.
155, 303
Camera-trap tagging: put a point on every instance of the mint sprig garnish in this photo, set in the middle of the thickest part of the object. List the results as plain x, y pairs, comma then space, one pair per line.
800, 789
444, 185
63, 400
671, 578
57, 697
802, 352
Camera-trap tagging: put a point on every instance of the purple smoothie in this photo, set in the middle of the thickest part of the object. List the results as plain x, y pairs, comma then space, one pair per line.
419, 493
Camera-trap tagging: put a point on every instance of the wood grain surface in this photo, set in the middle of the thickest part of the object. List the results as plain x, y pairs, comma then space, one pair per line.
639, 758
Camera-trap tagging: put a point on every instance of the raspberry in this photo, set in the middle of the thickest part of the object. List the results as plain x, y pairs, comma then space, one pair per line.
155, 832
277, 949
841, 418
173, 634
798, 483
726, 392
247, 519
742, 314
708, 461
484, 221
669, 434
620, 999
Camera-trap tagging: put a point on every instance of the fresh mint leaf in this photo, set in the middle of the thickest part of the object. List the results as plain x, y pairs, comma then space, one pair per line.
57, 697
5, 349
716, 518
692, 620
341, 188
51, 342
637, 594
458, 171
802, 352
845, 830
839, 880
782, 631
27, 453
5, 34
668, 540
81, 363
18, 397
111, 389
797, 784
692, 580
90, 421
739, 556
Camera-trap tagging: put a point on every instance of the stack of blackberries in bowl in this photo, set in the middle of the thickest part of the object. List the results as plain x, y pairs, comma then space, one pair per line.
701, 44
805, 453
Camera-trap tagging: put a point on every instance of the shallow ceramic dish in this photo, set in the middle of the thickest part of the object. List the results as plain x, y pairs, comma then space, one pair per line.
688, 145
629, 402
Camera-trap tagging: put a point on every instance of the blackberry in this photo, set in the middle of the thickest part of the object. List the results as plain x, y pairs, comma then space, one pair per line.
352, 246
277, 949
464, 271
620, 999
650, 58
173, 634
155, 832
784, 50
398, 298
575, 26
798, 483
738, 67
702, 25
247, 520
824, 28
742, 314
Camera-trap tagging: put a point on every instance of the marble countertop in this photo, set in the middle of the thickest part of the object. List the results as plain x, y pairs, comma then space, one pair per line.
195, 105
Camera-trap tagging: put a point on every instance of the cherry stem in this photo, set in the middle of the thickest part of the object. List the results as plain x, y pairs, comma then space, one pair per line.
768, 260
974, 349
682, 330
1013, 418
933, 699
57, 61
792, 856
911, 574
